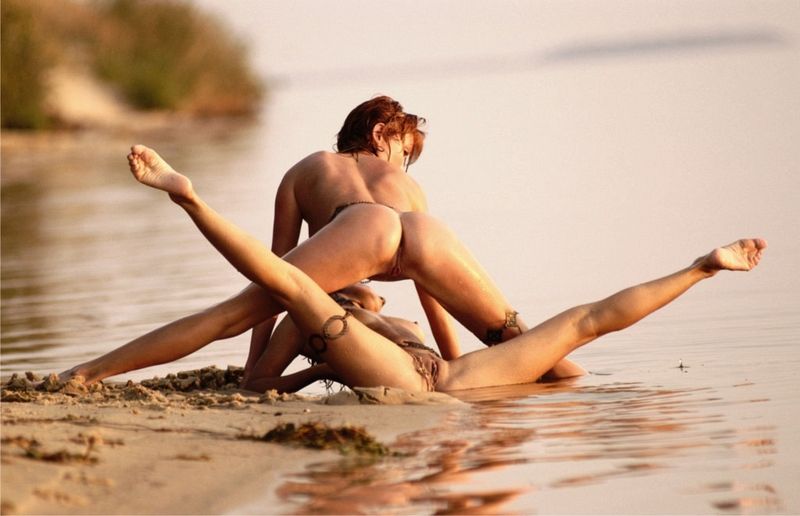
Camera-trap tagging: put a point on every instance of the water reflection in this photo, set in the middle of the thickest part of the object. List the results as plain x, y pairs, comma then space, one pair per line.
424, 479
525, 448
22, 316
83, 270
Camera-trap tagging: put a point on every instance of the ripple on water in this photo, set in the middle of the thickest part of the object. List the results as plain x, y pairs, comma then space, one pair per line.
549, 448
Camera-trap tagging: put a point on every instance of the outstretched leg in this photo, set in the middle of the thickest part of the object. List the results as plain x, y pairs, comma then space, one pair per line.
525, 358
251, 257
148, 168
356, 353
348, 257
335, 257
476, 302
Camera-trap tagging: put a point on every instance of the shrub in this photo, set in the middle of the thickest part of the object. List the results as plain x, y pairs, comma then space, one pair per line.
25, 61
160, 54
167, 55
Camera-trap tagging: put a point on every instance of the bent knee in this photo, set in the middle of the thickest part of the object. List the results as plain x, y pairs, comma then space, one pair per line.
587, 325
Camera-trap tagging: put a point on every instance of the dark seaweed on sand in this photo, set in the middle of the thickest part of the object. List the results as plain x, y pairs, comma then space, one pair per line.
346, 439
33, 450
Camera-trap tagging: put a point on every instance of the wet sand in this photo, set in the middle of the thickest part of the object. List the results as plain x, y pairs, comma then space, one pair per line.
188, 443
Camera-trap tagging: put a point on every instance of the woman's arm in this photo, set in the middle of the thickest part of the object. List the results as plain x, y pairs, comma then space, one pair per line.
259, 338
444, 333
285, 344
287, 219
287, 222
292, 382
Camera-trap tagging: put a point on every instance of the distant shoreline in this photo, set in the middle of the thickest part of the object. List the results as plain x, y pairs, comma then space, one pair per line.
19, 147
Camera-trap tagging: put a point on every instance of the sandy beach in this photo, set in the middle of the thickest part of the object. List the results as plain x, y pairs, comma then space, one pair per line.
179, 445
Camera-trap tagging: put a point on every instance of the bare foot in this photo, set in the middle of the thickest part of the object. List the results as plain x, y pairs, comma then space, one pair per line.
741, 255
150, 169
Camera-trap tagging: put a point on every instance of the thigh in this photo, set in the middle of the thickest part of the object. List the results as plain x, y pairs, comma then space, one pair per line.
523, 359
360, 356
361, 242
436, 260
364, 358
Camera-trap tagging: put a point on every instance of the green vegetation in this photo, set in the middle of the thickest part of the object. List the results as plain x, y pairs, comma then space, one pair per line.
167, 55
159, 54
25, 60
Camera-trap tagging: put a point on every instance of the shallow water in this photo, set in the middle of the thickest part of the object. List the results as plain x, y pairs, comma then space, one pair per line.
600, 447
640, 435
569, 180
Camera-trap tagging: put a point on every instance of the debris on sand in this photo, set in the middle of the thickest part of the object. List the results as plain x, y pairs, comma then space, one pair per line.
346, 439
137, 392
32, 449
389, 396
209, 377
199, 388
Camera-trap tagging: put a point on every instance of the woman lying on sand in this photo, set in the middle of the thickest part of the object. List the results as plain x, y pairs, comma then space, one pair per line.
359, 356
366, 220
364, 305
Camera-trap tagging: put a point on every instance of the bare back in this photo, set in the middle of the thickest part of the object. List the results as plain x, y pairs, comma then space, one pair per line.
314, 188
324, 181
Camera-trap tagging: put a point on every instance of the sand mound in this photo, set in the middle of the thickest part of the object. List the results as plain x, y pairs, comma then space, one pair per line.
389, 396
198, 388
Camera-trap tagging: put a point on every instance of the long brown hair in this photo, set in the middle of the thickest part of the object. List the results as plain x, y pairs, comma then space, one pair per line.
356, 133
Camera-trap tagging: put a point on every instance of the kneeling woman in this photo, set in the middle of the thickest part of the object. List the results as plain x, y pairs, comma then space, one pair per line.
356, 355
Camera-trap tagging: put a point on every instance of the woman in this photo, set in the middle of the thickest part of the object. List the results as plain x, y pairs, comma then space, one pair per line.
365, 221
366, 169
364, 305
359, 356
376, 144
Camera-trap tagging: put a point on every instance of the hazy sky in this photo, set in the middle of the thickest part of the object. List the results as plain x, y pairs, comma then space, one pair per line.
584, 124
310, 36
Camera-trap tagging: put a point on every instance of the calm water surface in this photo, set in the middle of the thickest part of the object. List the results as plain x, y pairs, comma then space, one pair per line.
569, 180
90, 260
640, 435
600, 446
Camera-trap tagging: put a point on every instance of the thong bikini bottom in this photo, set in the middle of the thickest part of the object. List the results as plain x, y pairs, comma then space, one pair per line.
426, 362
339, 209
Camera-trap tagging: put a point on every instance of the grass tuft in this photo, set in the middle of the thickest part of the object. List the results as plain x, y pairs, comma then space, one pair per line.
169, 55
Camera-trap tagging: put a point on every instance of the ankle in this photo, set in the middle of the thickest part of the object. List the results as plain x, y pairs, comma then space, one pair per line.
508, 330
186, 201
702, 267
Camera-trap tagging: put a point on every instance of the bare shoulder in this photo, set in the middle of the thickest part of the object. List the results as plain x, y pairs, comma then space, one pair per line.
318, 159
309, 166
